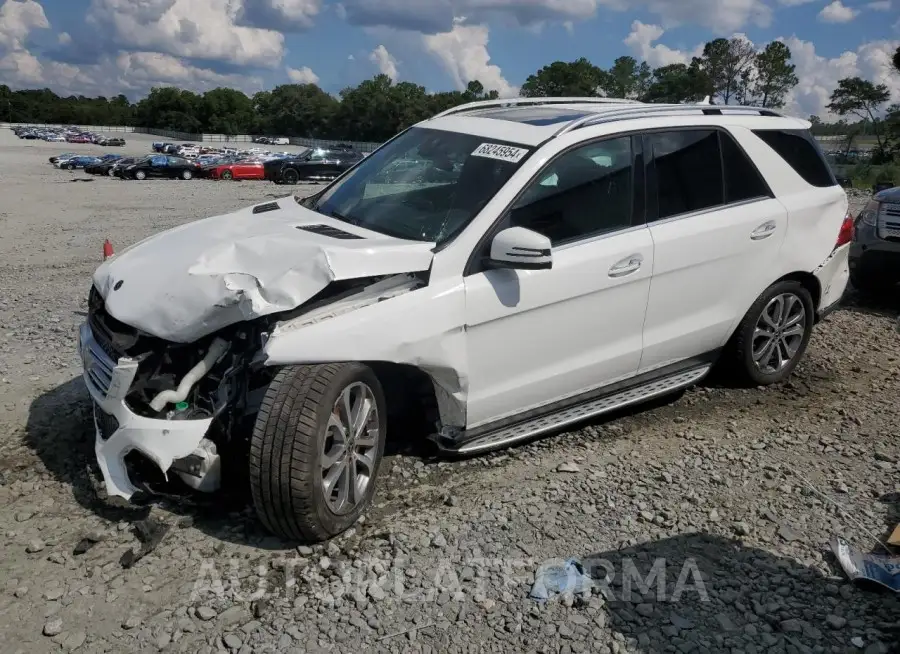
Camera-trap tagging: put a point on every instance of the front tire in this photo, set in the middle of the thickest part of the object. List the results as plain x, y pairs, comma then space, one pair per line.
186, 175
290, 176
227, 175
316, 449
140, 175
773, 336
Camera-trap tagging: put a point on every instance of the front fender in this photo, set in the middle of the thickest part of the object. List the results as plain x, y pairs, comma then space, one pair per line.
424, 328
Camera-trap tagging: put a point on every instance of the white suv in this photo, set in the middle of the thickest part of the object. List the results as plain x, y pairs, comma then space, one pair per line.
501, 270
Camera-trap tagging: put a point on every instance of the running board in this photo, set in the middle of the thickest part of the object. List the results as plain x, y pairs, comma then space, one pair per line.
571, 414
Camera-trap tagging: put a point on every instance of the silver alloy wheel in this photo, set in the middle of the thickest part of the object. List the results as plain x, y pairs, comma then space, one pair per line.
348, 453
779, 333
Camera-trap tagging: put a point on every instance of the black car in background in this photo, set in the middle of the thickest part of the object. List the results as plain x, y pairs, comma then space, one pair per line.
314, 165
159, 165
106, 167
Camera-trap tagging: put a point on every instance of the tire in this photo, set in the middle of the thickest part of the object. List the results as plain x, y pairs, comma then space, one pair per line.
227, 175
747, 344
111, 172
288, 446
140, 175
290, 176
70, 167
186, 175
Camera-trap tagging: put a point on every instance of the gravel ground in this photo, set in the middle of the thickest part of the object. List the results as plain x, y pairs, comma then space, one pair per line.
710, 488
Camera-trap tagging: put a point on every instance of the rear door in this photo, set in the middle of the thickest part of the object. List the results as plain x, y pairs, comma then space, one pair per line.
717, 232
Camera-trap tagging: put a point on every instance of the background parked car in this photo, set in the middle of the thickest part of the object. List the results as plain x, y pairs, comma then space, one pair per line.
77, 162
102, 165
65, 155
166, 166
313, 165
238, 170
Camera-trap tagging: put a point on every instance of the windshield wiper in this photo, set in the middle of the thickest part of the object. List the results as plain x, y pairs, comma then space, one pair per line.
343, 218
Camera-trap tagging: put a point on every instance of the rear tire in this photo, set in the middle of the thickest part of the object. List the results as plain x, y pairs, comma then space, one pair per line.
773, 336
296, 435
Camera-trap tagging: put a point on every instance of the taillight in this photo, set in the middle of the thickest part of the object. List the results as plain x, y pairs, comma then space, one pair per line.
846, 233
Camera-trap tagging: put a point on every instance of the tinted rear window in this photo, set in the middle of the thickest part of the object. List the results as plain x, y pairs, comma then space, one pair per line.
800, 150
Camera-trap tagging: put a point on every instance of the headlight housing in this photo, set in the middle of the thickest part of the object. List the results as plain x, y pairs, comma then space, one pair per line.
869, 215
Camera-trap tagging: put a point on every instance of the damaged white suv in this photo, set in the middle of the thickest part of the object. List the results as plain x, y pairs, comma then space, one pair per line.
501, 270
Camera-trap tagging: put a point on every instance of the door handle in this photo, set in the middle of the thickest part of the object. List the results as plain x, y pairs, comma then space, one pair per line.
764, 231
627, 266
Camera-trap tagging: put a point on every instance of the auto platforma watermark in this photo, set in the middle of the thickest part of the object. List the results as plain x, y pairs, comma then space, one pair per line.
625, 579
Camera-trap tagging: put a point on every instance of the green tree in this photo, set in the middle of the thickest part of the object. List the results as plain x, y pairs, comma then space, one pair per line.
295, 110
564, 79
728, 65
896, 60
678, 83
626, 79
862, 98
775, 75
227, 111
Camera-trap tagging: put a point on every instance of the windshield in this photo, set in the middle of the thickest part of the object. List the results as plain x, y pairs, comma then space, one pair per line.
425, 185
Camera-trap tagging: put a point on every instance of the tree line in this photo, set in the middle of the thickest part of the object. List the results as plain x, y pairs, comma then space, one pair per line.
729, 71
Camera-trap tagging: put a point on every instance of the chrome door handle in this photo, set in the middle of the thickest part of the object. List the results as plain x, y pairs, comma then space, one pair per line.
764, 231
627, 266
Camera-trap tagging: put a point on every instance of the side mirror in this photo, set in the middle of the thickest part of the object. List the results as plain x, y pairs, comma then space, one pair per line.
521, 249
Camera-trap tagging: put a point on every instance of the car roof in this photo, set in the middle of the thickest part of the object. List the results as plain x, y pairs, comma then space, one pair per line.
532, 121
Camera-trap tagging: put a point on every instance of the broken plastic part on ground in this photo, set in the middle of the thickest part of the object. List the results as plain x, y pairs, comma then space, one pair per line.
560, 576
875, 568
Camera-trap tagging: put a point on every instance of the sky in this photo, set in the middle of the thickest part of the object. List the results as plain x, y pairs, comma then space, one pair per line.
108, 47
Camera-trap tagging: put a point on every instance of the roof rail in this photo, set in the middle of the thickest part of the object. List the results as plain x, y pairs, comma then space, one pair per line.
653, 110
526, 102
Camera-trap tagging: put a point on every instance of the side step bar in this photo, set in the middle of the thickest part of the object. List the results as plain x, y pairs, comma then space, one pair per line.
555, 419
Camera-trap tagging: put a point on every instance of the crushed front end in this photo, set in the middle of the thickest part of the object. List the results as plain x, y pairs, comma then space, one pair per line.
174, 405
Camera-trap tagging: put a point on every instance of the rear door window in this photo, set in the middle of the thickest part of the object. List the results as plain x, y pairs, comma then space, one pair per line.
799, 149
686, 172
742, 179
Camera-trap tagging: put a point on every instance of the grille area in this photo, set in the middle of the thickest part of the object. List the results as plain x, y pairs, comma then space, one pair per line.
106, 424
889, 222
332, 232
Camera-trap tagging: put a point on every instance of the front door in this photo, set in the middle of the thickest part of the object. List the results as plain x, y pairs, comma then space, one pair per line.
534, 337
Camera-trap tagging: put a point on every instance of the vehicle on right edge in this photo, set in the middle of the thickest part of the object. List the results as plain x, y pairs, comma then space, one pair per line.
875, 250
502, 270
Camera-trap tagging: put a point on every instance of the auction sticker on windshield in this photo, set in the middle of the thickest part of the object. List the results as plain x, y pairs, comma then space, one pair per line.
501, 152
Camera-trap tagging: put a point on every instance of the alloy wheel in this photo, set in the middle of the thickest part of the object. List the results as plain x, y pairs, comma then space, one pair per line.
349, 448
779, 333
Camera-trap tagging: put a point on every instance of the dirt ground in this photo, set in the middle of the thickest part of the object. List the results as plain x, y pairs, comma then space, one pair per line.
729, 496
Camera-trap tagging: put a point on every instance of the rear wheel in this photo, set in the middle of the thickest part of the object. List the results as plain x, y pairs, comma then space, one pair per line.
773, 336
186, 174
290, 176
316, 449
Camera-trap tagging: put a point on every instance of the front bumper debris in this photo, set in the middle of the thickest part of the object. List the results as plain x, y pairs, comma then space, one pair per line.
119, 430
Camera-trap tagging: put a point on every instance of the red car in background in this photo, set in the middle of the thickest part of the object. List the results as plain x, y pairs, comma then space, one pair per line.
238, 170
78, 138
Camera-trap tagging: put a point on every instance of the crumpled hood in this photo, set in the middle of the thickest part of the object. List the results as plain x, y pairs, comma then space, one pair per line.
195, 279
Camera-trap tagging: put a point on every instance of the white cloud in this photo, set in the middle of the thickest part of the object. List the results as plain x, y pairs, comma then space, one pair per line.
434, 16
385, 61
303, 75
794, 3
17, 20
838, 12
64, 38
880, 5
464, 55
641, 39
819, 75
202, 29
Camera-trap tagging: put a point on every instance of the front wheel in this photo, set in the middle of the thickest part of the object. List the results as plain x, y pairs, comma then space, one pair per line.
111, 172
316, 449
290, 176
227, 175
140, 175
186, 175
773, 336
